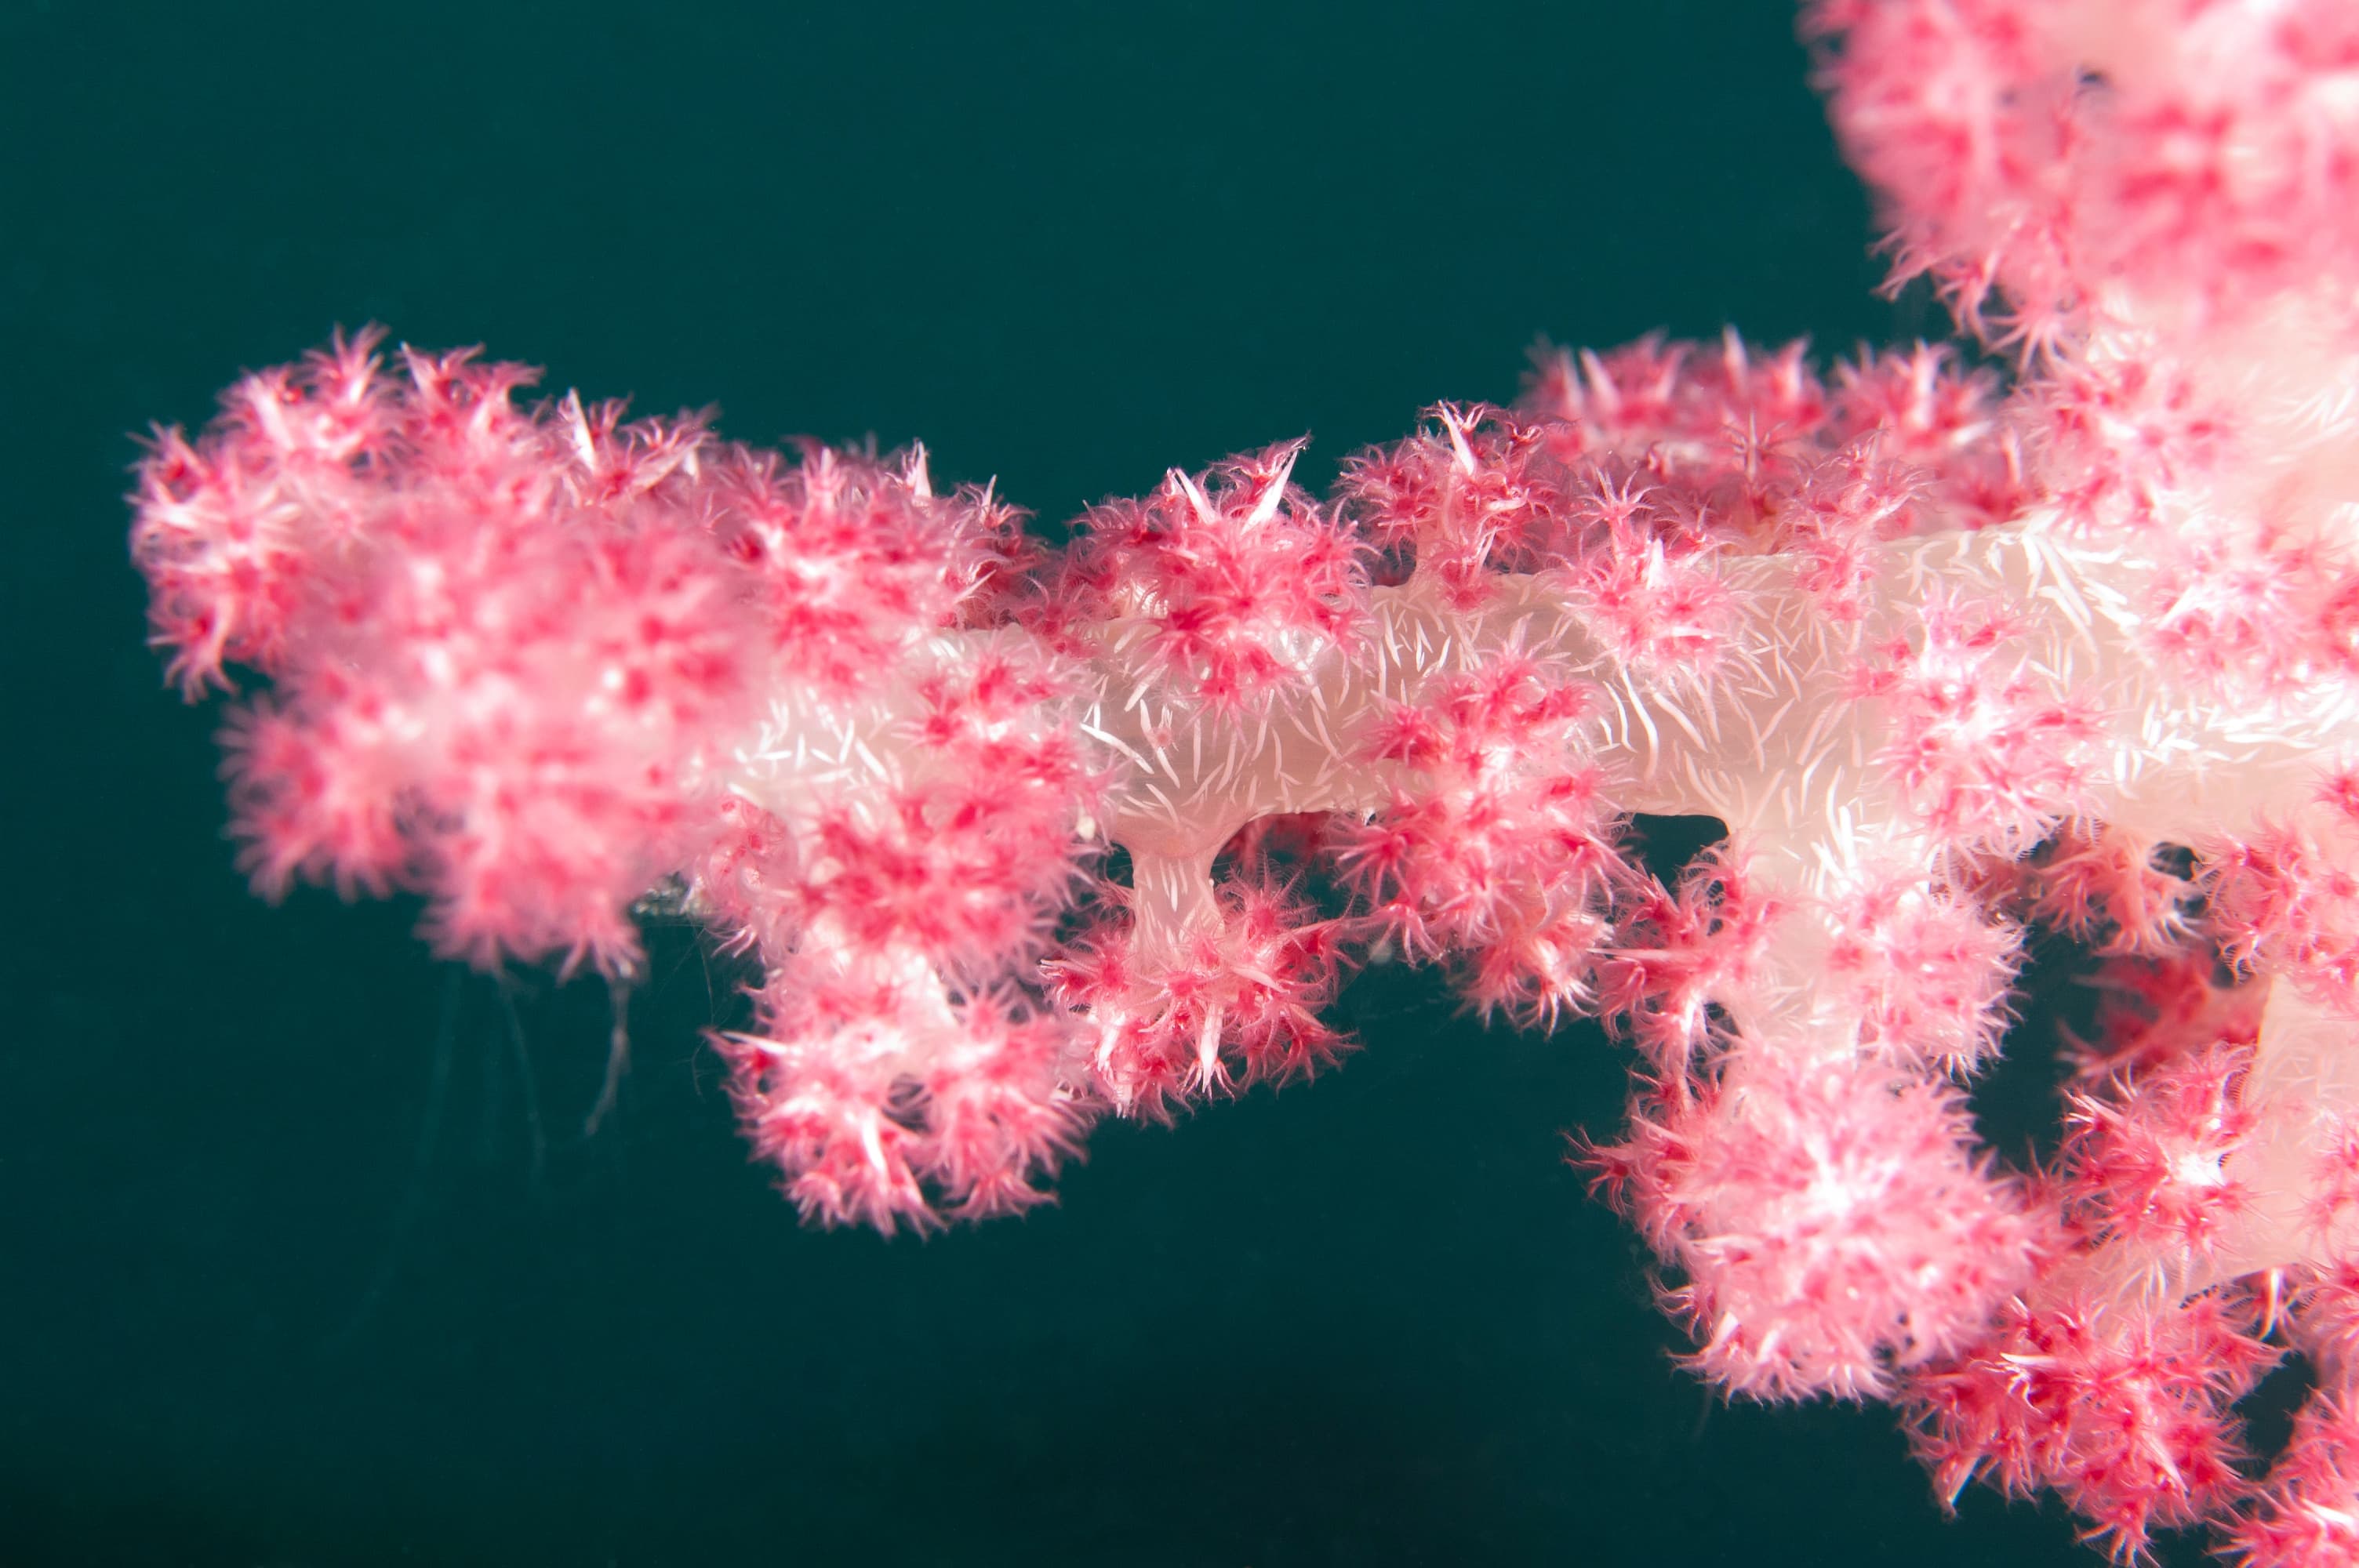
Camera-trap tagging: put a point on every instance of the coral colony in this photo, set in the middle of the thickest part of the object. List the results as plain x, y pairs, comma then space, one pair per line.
1020, 839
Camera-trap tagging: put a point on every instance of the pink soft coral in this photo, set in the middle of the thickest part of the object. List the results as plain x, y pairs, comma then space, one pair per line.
1955, 660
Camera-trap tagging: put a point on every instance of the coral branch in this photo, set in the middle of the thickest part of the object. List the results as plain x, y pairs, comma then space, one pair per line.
1964, 663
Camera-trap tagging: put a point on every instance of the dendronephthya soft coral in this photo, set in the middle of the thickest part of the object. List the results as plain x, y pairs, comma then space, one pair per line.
1020, 838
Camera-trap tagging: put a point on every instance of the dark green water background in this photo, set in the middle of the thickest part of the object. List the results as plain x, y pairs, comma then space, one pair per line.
243, 1321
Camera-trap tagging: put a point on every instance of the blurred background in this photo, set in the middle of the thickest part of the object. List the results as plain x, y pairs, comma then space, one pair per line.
304, 1257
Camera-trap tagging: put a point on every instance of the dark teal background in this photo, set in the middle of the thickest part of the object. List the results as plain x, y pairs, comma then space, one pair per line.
266, 1298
